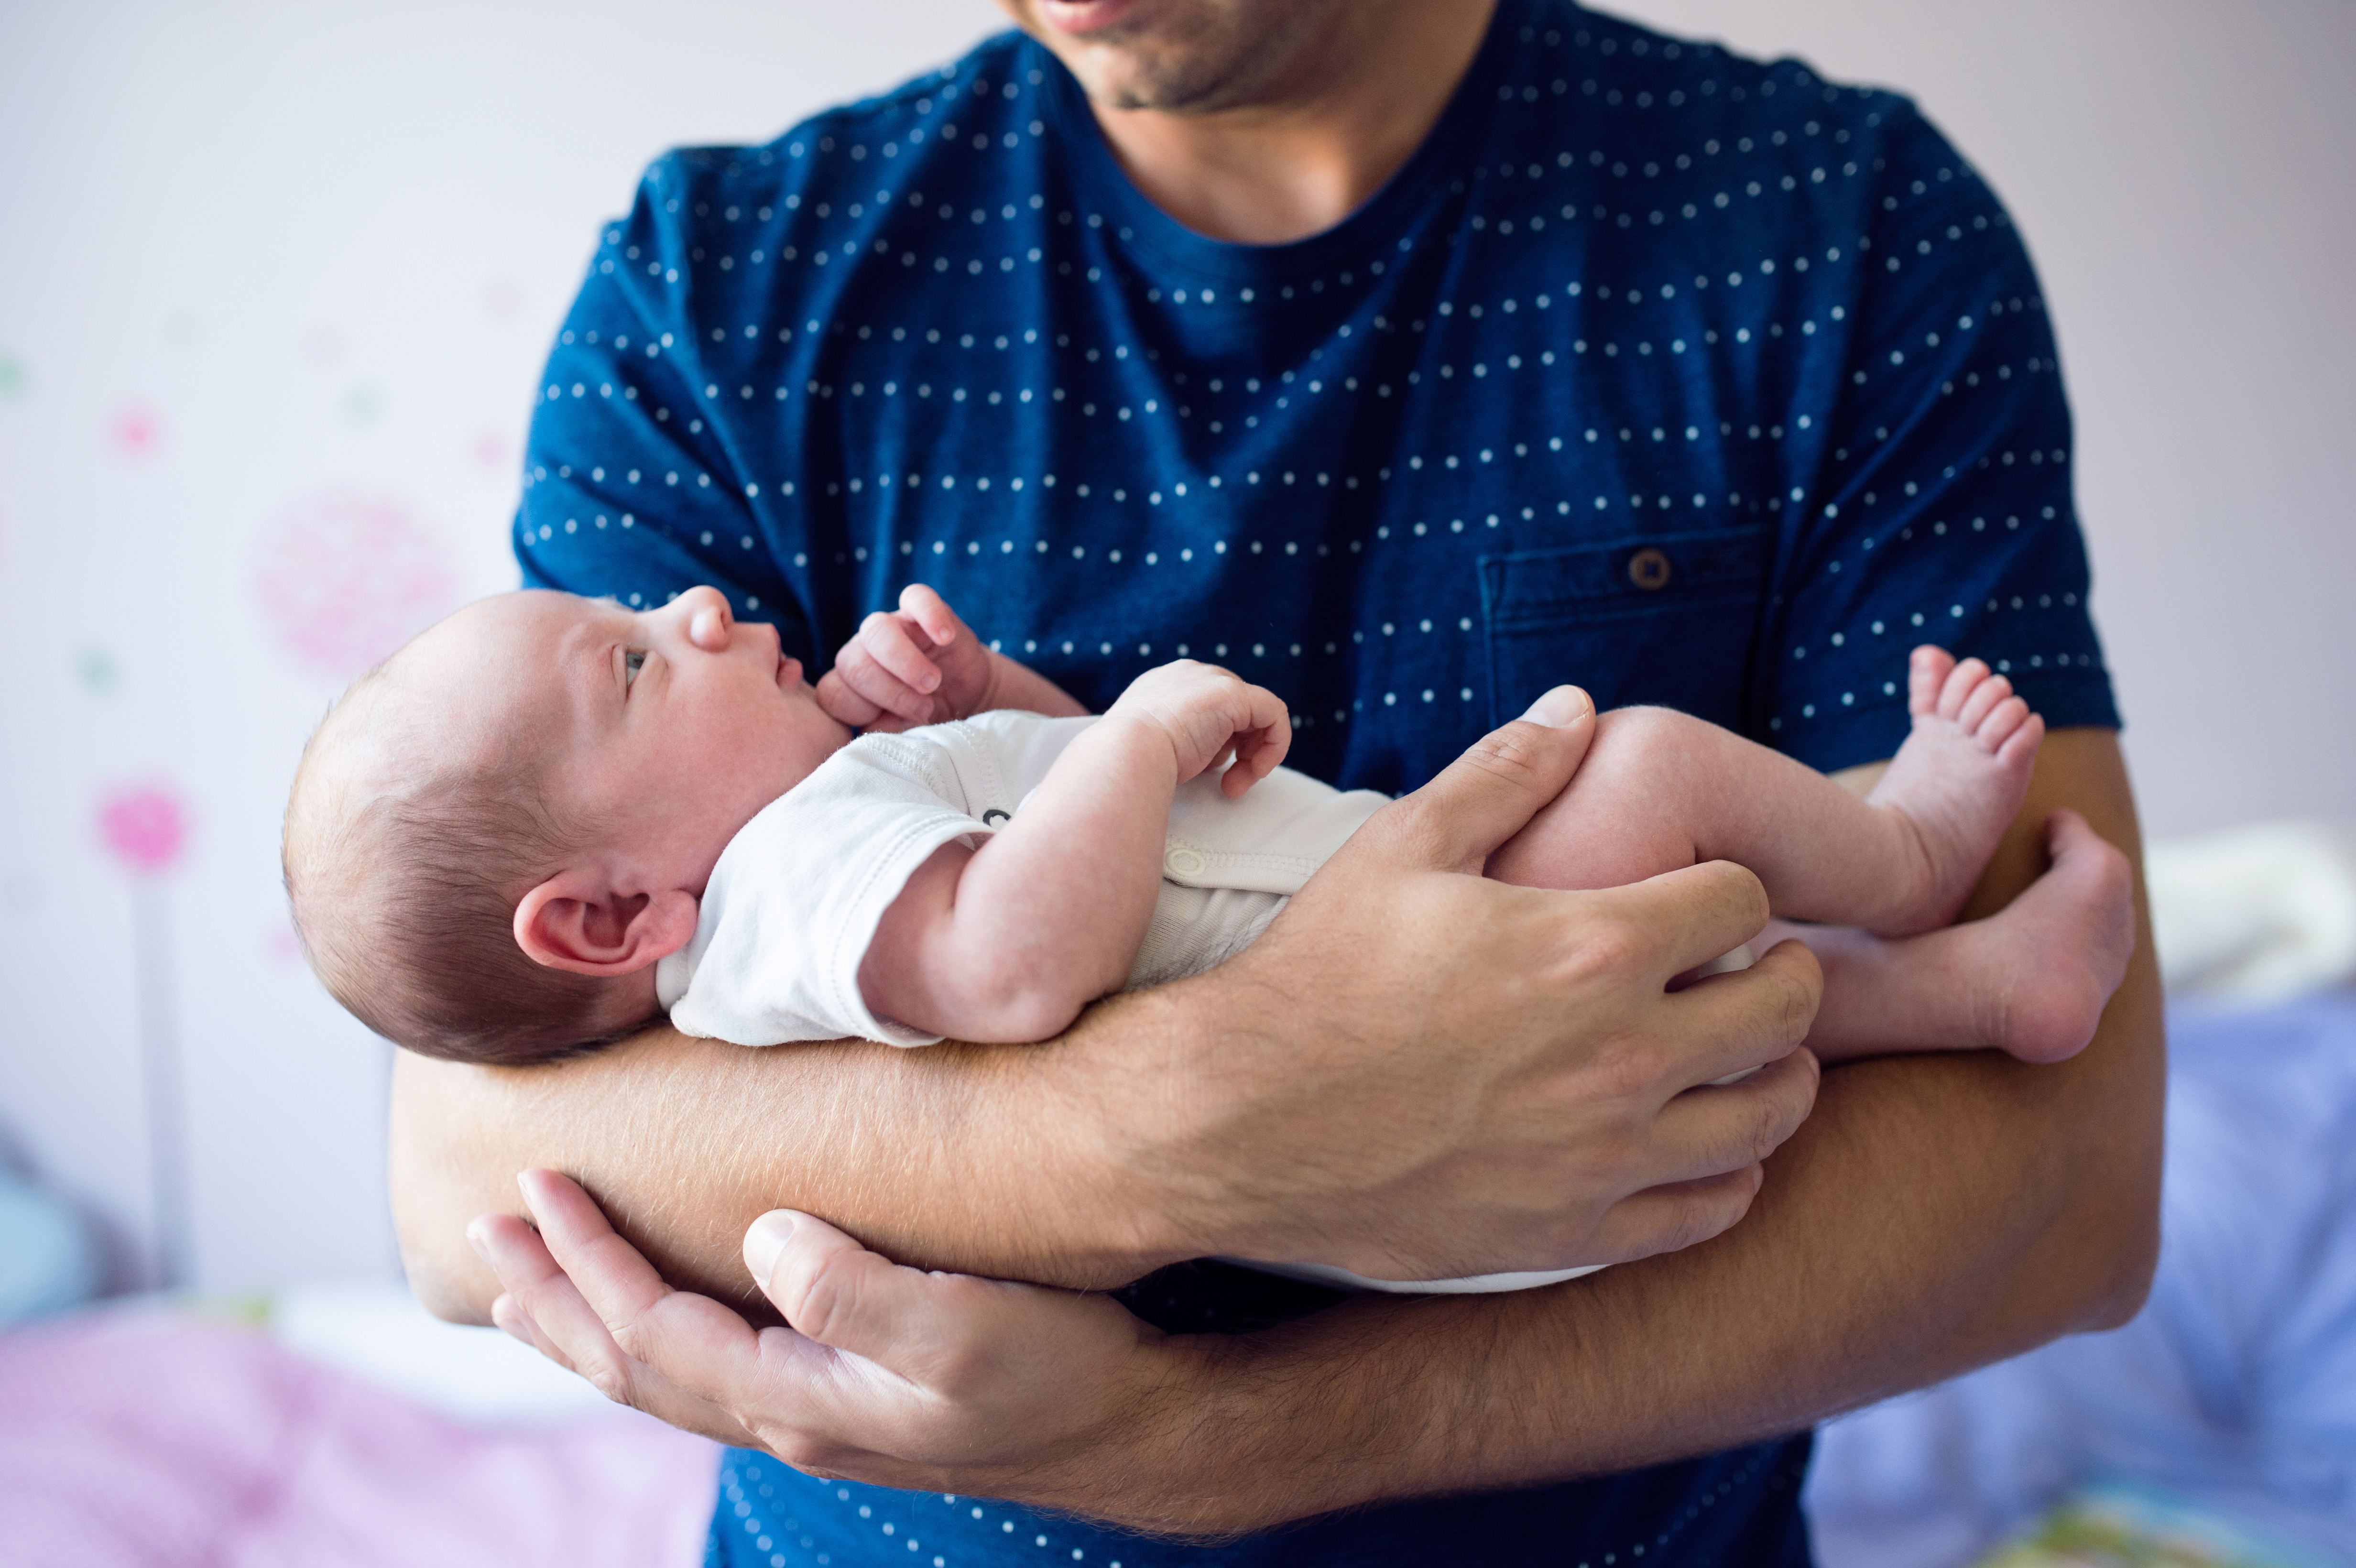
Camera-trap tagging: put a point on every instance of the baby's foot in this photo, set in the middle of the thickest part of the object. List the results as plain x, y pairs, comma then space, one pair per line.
2044, 967
1958, 781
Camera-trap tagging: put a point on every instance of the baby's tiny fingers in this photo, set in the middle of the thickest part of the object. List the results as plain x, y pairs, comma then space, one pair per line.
1257, 752
884, 638
863, 675
841, 702
930, 612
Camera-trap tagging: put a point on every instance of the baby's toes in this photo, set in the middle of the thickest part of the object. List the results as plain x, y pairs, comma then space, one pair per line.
2001, 723
2021, 743
1986, 697
1926, 673
1961, 682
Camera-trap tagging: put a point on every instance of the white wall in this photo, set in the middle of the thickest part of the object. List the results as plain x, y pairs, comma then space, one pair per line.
259, 262
275, 279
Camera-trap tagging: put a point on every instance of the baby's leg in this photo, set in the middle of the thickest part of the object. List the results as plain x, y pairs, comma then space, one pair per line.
2031, 979
1660, 790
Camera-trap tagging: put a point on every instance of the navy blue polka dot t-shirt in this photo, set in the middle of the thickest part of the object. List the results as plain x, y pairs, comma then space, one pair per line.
1689, 378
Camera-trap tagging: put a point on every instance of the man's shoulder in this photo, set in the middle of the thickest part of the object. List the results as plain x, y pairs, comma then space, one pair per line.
863, 149
1642, 90
1628, 65
774, 231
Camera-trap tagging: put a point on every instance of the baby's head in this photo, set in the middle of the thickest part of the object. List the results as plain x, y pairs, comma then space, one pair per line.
495, 835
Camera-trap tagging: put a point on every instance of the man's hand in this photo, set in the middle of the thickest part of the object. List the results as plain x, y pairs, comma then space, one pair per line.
886, 1374
1208, 715
1540, 1098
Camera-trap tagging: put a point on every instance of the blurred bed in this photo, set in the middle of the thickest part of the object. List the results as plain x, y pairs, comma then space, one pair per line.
336, 1427
2233, 1395
2220, 1426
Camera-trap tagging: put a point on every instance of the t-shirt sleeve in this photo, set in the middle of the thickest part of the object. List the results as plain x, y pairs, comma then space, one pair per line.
628, 490
1942, 512
794, 903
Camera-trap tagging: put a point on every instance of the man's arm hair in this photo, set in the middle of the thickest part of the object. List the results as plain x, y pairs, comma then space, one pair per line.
685, 1141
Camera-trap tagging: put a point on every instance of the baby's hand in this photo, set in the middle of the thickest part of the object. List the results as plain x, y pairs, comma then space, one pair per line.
920, 665
1211, 714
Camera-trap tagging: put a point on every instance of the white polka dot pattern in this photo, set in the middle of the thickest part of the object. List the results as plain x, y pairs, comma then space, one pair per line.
1695, 380
1633, 293
773, 1517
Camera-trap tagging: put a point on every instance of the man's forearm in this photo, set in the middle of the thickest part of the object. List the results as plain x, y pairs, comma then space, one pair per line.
957, 1156
1935, 1213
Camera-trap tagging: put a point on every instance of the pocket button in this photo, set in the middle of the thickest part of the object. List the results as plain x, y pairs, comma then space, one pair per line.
1648, 569
1183, 862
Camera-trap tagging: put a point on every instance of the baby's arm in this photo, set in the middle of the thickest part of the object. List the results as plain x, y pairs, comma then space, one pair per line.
922, 664
1010, 940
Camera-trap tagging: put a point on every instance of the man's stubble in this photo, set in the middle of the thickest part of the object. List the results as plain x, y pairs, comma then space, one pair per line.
1210, 57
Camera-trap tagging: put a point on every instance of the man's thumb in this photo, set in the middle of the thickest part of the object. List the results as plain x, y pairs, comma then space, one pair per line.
1490, 794
834, 1291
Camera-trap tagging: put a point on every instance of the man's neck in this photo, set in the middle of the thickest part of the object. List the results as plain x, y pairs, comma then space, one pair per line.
1320, 138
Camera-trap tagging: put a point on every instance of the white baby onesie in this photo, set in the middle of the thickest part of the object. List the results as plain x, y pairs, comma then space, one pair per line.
795, 898
797, 895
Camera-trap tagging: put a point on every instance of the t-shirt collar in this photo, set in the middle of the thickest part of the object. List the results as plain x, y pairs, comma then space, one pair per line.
1100, 186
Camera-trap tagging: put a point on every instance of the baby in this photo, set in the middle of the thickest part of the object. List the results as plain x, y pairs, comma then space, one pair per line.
549, 818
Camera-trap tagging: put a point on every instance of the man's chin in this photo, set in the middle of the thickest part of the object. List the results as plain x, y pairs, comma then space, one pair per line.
1167, 87
1166, 55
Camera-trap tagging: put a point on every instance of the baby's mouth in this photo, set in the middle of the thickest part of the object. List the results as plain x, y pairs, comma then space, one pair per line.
789, 673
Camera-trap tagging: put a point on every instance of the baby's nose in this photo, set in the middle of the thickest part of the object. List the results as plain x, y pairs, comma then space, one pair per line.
709, 619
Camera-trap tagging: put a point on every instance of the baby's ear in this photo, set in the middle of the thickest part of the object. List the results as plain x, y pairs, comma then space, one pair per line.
573, 921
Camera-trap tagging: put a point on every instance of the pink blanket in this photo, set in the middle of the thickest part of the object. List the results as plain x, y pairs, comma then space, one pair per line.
142, 1437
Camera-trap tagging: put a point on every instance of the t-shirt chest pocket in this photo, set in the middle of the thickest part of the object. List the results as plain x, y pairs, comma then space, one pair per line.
1665, 619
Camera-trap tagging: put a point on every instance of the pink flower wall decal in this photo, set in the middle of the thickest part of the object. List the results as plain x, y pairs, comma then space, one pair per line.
145, 827
136, 431
347, 576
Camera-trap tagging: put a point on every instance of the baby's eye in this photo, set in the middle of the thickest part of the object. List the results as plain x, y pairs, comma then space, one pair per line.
632, 661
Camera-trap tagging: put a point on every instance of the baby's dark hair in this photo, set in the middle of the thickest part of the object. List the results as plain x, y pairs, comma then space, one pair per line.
404, 878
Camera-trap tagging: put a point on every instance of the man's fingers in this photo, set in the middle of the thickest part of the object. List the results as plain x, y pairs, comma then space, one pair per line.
1747, 1017
669, 1352
1719, 1128
1695, 914
1665, 1219
515, 1323
567, 1330
1489, 793
691, 1341
581, 1243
